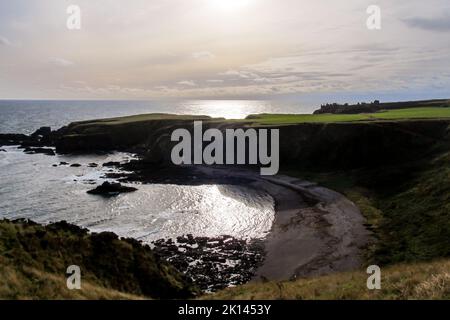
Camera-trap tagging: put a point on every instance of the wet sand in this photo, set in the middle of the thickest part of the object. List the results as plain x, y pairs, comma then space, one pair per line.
316, 231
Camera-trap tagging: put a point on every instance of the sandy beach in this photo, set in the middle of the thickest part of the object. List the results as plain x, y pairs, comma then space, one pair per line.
316, 230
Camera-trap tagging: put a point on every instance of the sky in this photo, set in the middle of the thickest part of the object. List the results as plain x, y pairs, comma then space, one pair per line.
225, 49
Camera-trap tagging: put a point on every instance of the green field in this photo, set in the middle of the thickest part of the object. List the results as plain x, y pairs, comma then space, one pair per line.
400, 114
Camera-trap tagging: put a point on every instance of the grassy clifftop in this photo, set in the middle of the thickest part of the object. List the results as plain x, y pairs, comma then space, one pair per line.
398, 114
34, 260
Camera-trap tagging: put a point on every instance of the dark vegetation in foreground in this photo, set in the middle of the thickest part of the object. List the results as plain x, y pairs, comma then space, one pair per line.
34, 260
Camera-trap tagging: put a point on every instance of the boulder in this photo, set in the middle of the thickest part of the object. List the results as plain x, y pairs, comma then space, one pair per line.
13, 139
111, 164
111, 189
42, 131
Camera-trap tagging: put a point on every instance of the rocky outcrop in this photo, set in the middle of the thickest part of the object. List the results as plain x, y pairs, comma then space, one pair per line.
46, 151
43, 137
213, 263
10, 139
109, 189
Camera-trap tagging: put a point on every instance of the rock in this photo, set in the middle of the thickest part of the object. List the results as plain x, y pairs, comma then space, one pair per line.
207, 260
32, 143
2, 150
92, 165
111, 189
42, 131
111, 164
63, 163
75, 165
46, 151
13, 139
55, 165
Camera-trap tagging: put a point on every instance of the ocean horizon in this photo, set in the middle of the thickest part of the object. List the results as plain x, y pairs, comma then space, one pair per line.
26, 116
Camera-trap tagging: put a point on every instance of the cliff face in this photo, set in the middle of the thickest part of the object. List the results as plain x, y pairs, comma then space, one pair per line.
355, 145
119, 133
305, 145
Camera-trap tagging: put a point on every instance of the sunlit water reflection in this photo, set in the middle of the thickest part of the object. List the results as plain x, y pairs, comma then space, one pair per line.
30, 187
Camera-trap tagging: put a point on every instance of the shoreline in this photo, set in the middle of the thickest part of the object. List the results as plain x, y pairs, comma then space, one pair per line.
316, 231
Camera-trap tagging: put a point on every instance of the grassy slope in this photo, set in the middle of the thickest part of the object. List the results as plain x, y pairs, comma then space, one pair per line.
33, 284
34, 259
141, 118
405, 281
407, 207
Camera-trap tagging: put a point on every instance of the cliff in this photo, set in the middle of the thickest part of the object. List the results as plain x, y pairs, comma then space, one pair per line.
340, 145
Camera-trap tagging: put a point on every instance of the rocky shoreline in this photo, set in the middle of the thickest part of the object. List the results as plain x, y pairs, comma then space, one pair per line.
212, 263
316, 231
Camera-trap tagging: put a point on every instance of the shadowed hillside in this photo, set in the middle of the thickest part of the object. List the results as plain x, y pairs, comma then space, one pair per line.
34, 260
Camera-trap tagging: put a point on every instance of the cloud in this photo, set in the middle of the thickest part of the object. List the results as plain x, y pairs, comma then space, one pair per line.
214, 81
203, 55
5, 41
60, 62
441, 24
188, 83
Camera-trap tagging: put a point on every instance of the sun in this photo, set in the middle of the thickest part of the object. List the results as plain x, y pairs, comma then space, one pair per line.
229, 5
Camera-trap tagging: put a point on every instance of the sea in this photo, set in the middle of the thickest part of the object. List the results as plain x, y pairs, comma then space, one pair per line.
32, 187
